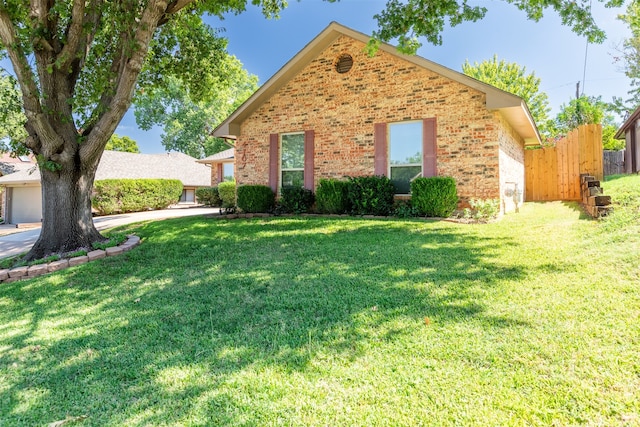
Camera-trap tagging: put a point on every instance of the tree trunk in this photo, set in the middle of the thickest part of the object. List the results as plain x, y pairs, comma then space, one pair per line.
67, 224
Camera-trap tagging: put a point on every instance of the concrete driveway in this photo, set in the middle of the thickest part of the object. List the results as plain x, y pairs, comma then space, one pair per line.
14, 241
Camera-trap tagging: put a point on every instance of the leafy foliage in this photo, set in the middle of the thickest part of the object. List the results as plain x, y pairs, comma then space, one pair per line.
190, 106
370, 195
630, 59
255, 198
134, 195
513, 78
588, 110
208, 196
296, 199
482, 209
434, 196
12, 118
122, 143
332, 196
227, 192
408, 20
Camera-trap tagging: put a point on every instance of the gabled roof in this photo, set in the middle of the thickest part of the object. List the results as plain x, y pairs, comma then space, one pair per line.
513, 108
118, 165
220, 157
9, 164
634, 117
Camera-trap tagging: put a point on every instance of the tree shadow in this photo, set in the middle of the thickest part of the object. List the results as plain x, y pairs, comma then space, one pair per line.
201, 301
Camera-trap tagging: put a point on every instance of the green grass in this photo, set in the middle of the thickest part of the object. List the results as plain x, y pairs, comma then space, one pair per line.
532, 320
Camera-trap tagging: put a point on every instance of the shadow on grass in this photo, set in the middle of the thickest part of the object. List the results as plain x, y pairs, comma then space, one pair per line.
161, 334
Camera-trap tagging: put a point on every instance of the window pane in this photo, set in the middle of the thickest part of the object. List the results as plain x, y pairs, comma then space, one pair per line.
227, 171
405, 143
293, 151
292, 178
401, 177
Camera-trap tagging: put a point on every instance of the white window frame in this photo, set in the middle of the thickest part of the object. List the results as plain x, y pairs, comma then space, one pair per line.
421, 145
280, 151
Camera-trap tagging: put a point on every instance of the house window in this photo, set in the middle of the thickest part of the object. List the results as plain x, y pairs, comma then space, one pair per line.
405, 154
292, 159
227, 171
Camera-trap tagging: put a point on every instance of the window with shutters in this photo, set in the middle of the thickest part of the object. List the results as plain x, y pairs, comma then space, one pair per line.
292, 159
405, 154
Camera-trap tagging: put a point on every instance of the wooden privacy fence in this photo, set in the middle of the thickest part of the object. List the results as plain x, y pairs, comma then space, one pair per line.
553, 173
613, 162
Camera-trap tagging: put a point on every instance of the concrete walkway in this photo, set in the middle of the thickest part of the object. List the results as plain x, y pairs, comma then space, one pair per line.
14, 241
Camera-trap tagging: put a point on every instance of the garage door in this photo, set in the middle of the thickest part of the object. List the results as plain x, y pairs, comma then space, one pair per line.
25, 205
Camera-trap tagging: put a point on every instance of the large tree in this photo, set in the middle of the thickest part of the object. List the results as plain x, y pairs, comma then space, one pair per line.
77, 63
513, 78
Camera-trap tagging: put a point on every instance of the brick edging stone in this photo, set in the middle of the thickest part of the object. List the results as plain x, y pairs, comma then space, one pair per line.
18, 273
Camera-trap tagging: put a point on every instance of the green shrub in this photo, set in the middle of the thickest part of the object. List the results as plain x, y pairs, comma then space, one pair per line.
404, 209
370, 195
295, 199
255, 198
227, 193
332, 196
134, 195
482, 209
435, 196
208, 196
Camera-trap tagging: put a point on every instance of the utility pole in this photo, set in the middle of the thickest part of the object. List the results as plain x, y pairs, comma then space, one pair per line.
577, 90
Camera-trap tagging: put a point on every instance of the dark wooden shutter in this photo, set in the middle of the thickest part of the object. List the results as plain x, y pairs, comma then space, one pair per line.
274, 161
308, 159
429, 148
380, 149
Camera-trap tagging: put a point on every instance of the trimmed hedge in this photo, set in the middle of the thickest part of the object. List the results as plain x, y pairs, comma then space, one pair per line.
294, 199
227, 193
255, 198
435, 196
332, 196
208, 196
134, 195
370, 195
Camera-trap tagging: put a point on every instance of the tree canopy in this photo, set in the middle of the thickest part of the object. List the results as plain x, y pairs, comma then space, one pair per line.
588, 110
122, 143
410, 20
188, 112
12, 118
630, 58
513, 78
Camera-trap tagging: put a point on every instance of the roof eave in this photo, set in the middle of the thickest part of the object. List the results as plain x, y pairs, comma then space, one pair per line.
620, 134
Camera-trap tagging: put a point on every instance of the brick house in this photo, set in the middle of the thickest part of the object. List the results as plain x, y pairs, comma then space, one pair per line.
333, 111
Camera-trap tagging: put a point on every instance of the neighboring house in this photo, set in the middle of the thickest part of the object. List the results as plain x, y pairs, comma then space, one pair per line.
23, 202
221, 166
333, 111
9, 165
630, 132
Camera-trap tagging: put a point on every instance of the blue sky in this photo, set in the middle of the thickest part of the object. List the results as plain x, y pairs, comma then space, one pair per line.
548, 48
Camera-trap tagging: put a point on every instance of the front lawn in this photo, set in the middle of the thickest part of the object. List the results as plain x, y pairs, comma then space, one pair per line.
533, 320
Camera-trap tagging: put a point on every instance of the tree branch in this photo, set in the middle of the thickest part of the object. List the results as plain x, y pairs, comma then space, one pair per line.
121, 100
74, 36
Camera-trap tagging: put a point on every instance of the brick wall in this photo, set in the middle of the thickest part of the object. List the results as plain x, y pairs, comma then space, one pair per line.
511, 166
343, 108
